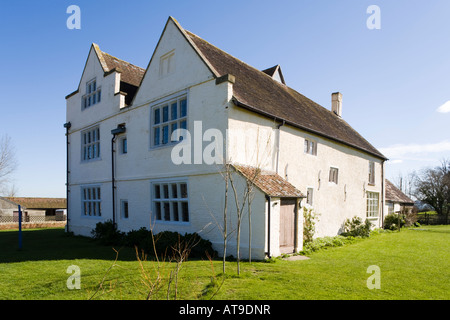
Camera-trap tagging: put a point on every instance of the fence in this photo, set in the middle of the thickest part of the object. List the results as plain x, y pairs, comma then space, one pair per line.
32, 219
433, 219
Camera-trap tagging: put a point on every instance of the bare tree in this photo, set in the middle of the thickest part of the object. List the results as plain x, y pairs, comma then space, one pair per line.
8, 162
247, 197
405, 183
225, 215
432, 186
239, 215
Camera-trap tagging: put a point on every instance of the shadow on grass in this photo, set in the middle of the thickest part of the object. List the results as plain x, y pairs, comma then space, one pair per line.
55, 244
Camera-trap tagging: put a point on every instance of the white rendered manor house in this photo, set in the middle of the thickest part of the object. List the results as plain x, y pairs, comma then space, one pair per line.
121, 153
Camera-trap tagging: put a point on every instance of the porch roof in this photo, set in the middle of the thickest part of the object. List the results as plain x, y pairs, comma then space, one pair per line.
269, 182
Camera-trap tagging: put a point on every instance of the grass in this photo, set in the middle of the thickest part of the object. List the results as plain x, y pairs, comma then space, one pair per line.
414, 264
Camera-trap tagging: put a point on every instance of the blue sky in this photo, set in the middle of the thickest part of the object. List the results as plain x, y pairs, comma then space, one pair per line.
393, 80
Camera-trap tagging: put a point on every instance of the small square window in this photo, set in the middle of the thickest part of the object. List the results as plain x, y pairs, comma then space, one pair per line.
310, 147
334, 172
309, 196
124, 146
124, 209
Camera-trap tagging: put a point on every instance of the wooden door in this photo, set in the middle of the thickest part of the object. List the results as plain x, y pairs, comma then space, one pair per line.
287, 226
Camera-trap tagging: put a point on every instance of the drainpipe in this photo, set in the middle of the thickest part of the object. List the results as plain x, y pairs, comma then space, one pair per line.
278, 143
268, 225
120, 129
67, 125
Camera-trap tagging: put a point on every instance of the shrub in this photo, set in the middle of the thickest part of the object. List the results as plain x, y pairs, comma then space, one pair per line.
357, 228
391, 221
164, 243
168, 242
326, 242
410, 215
309, 224
142, 238
106, 233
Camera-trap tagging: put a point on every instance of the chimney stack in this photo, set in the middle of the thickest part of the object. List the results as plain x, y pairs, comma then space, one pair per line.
336, 103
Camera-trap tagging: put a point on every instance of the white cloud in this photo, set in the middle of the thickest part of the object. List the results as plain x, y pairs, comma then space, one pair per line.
400, 151
445, 108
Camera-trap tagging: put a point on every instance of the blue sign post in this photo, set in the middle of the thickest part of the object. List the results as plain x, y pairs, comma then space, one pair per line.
20, 228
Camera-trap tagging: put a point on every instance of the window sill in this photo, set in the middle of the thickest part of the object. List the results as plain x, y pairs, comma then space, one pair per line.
162, 146
179, 223
91, 160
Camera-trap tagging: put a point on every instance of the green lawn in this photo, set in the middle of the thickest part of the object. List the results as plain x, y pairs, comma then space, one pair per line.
414, 264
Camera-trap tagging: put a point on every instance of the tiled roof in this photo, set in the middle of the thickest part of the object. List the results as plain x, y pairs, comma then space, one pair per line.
130, 73
395, 195
257, 91
39, 203
269, 182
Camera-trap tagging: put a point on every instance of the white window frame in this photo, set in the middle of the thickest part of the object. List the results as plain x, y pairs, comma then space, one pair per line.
159, 123
310, 147
373, 204
390, 206
91, 201
123, 145
92, 96
175, 204
333, 175
124, 204
372, 173
90, 144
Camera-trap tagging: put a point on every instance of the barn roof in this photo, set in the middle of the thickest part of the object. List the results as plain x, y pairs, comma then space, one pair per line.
395, 195
39, 203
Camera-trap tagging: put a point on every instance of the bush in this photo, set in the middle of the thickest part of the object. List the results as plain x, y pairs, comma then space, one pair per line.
106, 233
357, 228
410, 216
391, 221
326, 242
167, 242
309, 224
142, 238
164, 242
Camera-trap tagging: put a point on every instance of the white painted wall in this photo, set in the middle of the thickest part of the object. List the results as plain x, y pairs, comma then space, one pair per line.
334, 203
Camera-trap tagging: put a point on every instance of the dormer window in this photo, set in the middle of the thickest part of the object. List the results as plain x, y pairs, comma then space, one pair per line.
93, 95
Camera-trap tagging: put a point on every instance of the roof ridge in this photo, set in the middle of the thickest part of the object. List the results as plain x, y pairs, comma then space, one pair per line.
280, 101
256, 69
121, 60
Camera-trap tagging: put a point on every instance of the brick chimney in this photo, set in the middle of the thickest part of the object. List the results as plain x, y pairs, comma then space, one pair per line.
336, 103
